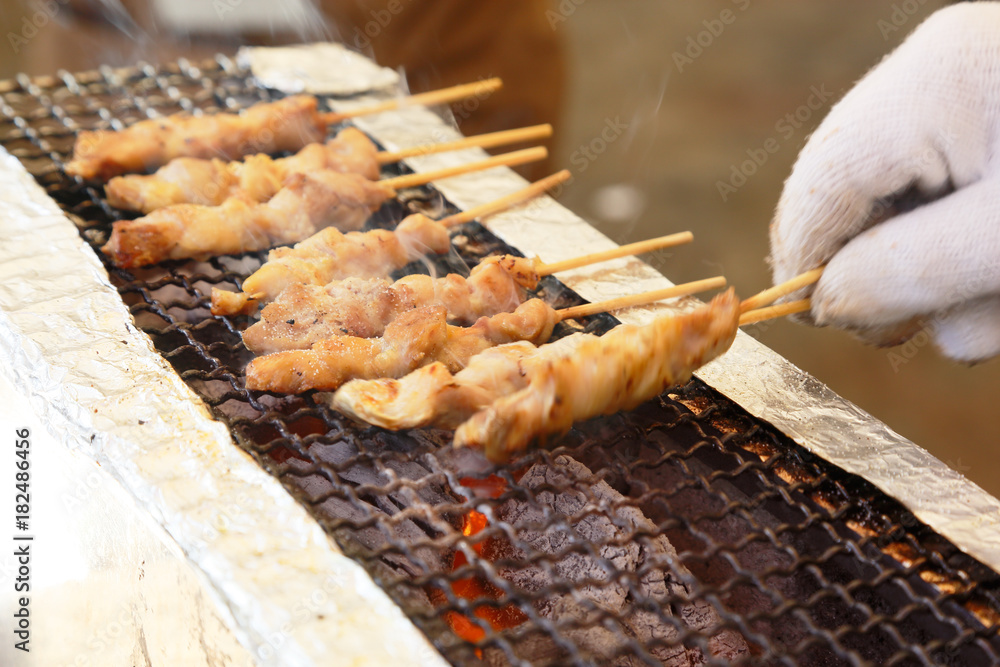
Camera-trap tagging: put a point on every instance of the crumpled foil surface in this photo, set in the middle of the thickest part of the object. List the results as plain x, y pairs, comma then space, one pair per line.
286, 591
108, 585
323, 69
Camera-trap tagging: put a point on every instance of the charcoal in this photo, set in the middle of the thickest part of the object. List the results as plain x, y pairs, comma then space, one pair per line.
606, 523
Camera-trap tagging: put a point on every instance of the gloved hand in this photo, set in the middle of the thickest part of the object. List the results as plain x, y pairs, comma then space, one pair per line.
924, 122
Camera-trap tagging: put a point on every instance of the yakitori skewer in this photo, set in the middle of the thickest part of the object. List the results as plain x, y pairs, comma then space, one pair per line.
285, 125
306, 314
488, 140
210, 182
480, 88
772, 294
637, 248
512, 394
617, 371
644, 298
304, 205
433, 396
758, 307
417, 338
772, 312
331, 255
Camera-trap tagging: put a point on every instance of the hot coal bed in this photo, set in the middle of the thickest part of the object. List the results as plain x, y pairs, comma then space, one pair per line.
684, 532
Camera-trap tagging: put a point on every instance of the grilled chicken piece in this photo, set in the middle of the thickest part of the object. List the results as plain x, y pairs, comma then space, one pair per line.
284, 125
617, 371
209, 182
510, 394
330, 255
305, 204
306, 314
419, 337
432, 396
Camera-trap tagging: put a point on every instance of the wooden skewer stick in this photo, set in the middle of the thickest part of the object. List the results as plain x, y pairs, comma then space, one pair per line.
508, 201
642, 299
496, 206
622, 251
489, 140
482, 88
772, 294
771, 312
597, 257
511, 159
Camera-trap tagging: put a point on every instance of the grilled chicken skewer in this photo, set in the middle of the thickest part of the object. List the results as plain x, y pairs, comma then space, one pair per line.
624, 368
306, 314
285, 125
303, 206
210, 182
415, 339
330, 255
509, 395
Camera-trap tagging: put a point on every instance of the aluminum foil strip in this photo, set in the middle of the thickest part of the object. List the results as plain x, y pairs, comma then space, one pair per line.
285, 591
108, 586
327, 69
760, 380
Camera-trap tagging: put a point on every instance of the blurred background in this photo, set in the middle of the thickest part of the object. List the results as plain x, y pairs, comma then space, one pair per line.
658, 107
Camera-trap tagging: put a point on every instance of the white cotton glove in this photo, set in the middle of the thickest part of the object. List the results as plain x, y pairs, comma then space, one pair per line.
926, 120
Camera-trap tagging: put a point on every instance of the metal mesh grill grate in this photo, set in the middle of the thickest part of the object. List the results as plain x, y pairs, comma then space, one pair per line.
683, 532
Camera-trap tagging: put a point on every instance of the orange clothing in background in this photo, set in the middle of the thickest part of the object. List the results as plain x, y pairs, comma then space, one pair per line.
445, 42
436, 43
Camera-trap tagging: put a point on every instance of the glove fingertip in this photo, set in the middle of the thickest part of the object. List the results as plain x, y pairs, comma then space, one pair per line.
969, 334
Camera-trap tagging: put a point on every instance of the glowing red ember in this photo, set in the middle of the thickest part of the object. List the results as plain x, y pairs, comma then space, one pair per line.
476, 587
